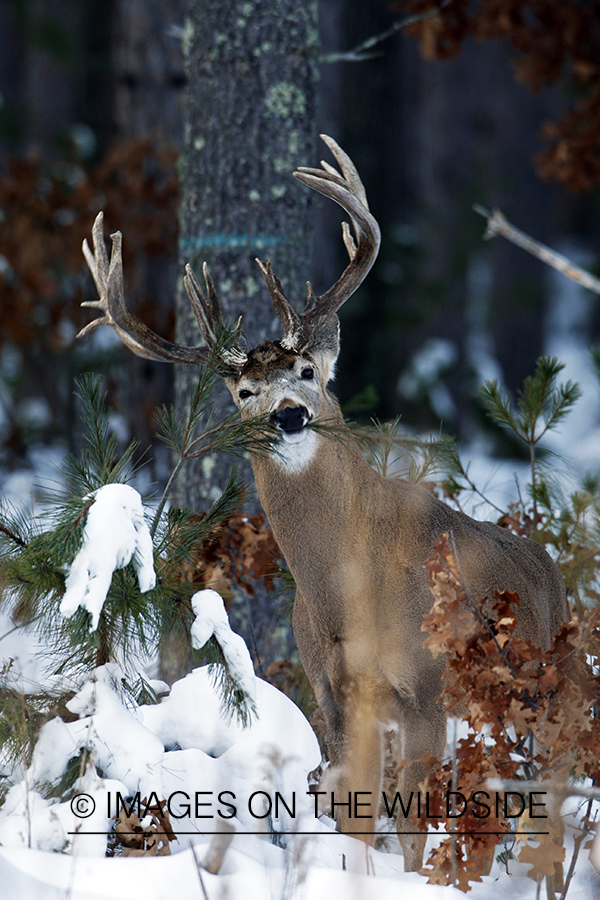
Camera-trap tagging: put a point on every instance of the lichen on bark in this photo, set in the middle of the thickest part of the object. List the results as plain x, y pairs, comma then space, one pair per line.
252, 69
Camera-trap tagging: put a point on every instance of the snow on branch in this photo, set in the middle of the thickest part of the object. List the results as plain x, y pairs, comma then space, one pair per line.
212, 621
498, 224
115, 534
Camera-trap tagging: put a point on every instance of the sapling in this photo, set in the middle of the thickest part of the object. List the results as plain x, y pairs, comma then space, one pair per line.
541, 406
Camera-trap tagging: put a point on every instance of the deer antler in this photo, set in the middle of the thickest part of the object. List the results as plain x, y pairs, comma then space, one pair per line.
108, 277
343, 187
289, 318
347, 190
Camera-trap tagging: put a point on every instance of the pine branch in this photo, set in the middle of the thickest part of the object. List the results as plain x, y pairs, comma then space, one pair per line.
14, 538
541, 406
498, 406
234, 700
199, 433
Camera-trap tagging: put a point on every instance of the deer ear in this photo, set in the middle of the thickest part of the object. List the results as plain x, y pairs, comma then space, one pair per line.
324, 345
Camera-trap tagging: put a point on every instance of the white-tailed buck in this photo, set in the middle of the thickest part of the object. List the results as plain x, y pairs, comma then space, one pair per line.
355, 542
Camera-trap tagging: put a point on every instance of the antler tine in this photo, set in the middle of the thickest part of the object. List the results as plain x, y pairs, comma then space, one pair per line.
204, 315
288, 316
348, 168
108, 277
210, 320
347, 190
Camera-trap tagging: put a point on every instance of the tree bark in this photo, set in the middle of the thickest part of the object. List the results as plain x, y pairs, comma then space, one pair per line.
250, 112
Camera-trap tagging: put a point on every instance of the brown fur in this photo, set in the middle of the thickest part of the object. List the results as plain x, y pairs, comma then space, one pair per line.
356, 543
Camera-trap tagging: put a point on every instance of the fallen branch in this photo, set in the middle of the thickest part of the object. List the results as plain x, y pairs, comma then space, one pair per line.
498, 224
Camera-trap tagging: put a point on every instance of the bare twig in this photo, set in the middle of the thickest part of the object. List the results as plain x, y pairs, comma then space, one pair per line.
16, 628
199, 871
360, 52
560, 789
577, 842
473, 487
24, 751
13, 537
498, 224
454, 783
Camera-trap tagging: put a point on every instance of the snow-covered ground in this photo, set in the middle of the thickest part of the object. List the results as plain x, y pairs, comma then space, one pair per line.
209, 768
183, 749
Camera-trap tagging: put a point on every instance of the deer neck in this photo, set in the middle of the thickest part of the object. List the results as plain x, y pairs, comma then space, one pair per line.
313, 511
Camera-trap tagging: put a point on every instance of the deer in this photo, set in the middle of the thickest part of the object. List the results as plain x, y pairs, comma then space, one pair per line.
355, 541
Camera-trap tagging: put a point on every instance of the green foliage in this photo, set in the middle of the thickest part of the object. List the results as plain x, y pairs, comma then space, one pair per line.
394, 453
35, 557
567, 522
363, 402
201, 432
541, 406
234, 700
21, 717
36, 554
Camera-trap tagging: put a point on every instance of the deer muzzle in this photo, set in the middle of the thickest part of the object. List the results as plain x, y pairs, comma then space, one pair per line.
290, 419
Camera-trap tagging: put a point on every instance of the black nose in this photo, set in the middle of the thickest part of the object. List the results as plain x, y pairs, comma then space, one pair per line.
290, 419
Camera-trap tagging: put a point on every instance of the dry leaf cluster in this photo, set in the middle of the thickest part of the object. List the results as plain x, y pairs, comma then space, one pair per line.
45, 211
532, 715
132, 837
242, 551
553, 41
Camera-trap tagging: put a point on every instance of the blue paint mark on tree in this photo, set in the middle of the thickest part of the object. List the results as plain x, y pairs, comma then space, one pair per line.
229, 241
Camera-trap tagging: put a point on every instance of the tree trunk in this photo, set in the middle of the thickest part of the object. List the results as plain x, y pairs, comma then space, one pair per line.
250, 113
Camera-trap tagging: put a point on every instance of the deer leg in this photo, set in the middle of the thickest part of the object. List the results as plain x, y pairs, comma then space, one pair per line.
316, 667
353, 782
364, 764
348, 703
423, 732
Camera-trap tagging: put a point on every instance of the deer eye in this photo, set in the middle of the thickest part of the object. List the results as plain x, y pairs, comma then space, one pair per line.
244, 394
307, 373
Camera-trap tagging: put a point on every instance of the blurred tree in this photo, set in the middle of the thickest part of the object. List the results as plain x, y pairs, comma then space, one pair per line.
430, 139
553, 42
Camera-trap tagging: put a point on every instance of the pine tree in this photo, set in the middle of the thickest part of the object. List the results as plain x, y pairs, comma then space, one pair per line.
36, 555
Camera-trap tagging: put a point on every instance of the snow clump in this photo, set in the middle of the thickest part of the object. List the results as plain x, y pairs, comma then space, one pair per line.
116, 533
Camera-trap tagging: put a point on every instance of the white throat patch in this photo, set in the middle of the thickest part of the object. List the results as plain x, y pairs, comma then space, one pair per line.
294, 452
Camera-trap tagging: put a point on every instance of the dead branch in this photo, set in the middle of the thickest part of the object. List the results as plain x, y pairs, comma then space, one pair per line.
360, 52
498, 224
560, 789
218, 848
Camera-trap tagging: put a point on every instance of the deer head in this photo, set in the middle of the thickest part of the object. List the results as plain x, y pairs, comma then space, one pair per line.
285, 379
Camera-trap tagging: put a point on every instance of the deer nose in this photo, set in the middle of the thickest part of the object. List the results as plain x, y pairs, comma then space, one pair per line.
290, 419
